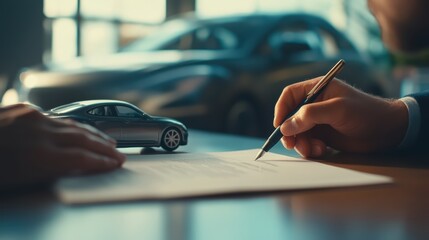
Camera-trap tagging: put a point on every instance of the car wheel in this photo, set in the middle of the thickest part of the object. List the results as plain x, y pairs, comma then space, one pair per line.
171, 139
243, 118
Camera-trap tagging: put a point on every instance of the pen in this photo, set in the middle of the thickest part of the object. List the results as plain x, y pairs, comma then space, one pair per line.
311, 97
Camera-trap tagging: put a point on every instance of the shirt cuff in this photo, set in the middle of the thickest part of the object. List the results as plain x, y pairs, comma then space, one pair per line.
413, 122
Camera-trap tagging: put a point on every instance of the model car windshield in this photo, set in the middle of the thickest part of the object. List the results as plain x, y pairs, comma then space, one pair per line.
192, 35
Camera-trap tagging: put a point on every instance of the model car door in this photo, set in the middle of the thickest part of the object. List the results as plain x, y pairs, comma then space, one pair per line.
136, 126
104, 119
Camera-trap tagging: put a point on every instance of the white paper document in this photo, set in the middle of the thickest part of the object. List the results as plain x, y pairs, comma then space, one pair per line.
196, 174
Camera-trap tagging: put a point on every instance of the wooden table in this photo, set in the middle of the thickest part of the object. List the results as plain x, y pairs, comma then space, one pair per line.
391, 211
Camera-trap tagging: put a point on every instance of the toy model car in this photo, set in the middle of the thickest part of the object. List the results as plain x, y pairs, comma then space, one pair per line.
126, 123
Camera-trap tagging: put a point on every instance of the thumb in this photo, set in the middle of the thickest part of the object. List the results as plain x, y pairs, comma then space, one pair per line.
310, 115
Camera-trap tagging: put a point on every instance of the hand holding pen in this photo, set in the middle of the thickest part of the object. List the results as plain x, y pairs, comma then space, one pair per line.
311, 97
342, 117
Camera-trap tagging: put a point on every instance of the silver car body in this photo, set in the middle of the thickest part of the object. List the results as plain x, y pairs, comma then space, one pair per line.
130, 126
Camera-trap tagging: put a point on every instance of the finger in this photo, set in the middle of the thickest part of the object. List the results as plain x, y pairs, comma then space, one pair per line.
291, 96
80, 160
20, 106
33, 106
12, 107
288, 142
13, 112
97, 132
309, 147
303, 145
89, 129
327, 112
72, 137
318, 148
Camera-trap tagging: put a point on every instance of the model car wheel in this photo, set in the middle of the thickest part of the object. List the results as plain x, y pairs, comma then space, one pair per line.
171, 139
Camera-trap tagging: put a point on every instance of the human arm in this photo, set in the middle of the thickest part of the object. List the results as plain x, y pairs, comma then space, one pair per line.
342, 118
35, 148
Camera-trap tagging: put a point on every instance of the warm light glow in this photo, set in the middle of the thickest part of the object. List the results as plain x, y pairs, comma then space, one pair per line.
98, 38
224, 7
55, 8
10, 97
63, 40
332, 10
148, 11
99, 8
30, 81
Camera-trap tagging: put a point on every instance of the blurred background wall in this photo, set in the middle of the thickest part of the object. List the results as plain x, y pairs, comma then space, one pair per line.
21, 37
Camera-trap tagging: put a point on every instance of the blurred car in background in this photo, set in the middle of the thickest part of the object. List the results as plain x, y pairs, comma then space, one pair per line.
221, 74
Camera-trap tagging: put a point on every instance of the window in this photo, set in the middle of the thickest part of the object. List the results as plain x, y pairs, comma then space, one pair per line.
326, 8
329, 44
97, 27
184, 35
297, 33
217, 8
101, 111
214, 38
162, 36
127, 112
200, 39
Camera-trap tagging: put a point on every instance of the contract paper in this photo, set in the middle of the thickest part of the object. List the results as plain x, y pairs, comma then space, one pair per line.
196, 174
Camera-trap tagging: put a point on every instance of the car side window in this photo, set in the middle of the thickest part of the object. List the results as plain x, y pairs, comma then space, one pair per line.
214, 38
341, 43
128, 112
298, 33
98, 111
206, 38
227, 38
329, 42
182, 43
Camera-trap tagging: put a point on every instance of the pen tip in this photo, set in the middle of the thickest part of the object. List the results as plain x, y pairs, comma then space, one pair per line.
260, 154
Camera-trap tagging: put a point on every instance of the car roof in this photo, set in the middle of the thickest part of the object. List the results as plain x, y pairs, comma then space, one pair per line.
238, 17
101, 102
273, 16
77, 106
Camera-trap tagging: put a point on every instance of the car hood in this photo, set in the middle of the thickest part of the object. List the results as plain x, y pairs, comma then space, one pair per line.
169, 120
84, 69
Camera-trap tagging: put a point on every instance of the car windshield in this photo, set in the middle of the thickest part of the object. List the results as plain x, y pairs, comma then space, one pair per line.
66, 108
165, 33
183, 34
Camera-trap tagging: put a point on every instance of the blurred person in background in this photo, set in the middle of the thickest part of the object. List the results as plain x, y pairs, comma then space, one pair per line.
346, 119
